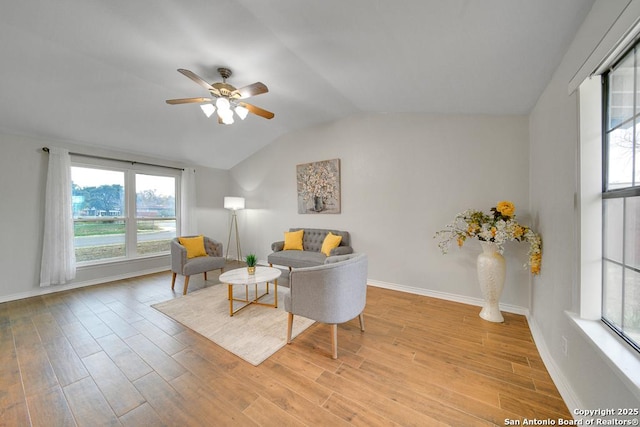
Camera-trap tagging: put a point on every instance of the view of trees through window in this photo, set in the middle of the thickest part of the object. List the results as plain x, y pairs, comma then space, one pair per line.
106, 227
621, 199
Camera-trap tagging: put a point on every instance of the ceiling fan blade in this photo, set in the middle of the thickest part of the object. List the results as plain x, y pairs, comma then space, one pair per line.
193, 76
188, 100
257, 110
251, 90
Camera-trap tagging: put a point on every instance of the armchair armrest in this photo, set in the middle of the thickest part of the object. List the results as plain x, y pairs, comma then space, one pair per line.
178, 257
277, 246
338, 258
213, 247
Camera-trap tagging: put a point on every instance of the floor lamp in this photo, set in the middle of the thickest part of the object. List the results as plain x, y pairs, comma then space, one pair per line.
233, 204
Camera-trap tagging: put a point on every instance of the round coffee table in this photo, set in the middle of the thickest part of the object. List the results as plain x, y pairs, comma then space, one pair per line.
240, 276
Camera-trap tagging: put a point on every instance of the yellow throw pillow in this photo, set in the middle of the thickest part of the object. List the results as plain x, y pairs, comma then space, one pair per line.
293, 240
194, 246
330, 242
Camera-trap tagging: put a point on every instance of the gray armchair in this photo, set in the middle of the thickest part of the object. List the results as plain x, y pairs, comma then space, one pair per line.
180, 264
330, 293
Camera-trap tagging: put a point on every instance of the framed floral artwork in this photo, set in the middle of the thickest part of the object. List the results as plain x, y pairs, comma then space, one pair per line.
319, 187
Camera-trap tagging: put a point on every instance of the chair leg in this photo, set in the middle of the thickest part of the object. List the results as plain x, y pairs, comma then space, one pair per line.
334, 341
289, 327
186, 285
205, 275
361, 317
173, 281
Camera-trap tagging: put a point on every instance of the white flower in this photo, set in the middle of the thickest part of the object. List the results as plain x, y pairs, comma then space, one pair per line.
497, 228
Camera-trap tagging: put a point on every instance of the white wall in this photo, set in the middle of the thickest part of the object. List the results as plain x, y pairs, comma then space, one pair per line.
587, 379
211, 187
23, 171
403, 177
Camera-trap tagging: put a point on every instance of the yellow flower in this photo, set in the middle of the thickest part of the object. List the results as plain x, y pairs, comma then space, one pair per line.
500, 226
506, 208
518, 231
535, 260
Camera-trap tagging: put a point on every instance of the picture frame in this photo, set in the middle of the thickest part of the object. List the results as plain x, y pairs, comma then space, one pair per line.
318, 185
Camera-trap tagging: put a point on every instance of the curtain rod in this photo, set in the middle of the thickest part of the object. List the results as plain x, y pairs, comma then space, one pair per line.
46, 150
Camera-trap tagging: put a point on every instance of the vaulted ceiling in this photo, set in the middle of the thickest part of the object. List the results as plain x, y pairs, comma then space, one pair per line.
97, 73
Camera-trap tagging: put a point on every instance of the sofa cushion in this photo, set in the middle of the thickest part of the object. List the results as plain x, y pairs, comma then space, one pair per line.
297, 259
293, 240
201, 264
330, 242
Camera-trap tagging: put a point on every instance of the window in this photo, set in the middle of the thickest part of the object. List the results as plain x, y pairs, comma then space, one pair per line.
621, 198
121, 214
155, 213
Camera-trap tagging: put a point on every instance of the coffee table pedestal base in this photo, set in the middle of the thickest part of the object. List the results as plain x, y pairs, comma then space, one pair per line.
256, 299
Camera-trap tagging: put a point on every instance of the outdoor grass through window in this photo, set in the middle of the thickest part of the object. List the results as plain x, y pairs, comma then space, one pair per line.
106, 227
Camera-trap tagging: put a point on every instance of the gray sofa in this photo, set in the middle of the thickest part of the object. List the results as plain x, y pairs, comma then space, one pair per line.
311, 243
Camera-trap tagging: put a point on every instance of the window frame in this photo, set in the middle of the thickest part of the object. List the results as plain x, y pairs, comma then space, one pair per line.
619, 193
129, 216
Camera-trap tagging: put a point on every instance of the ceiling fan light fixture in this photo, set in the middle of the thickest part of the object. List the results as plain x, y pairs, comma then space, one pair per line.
241, 112
223, 104
225, 98
226, 116
208, 109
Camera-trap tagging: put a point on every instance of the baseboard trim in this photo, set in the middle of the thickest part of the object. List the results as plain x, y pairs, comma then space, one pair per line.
59, 288
564, 388
509, 308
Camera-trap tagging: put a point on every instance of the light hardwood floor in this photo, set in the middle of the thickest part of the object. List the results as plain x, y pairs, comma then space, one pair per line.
102, 356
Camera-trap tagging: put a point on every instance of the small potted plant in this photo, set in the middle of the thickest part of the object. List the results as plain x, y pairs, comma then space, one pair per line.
251, 261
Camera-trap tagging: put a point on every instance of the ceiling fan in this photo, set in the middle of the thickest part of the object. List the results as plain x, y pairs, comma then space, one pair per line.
226, 98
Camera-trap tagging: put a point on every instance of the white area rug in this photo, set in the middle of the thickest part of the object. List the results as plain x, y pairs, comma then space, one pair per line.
254, 333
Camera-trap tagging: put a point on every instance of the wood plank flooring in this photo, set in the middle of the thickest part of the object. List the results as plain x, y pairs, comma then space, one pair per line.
101, 355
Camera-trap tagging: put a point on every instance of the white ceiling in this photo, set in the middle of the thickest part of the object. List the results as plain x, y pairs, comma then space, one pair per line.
98, 72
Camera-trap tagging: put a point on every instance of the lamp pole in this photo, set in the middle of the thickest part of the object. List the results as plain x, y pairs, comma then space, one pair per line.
234, 222
233, 204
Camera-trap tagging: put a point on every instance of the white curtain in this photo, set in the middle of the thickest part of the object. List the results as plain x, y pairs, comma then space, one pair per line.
58, 255
188, 220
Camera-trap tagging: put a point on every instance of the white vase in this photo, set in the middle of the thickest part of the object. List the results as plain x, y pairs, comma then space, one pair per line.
492, 270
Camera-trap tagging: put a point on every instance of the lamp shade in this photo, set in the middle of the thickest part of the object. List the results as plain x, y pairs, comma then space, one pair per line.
208, 109
223, 104
241, 112
233, 203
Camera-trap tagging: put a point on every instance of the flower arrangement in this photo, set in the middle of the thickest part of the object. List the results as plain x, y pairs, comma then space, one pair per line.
498, 227
319, 180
